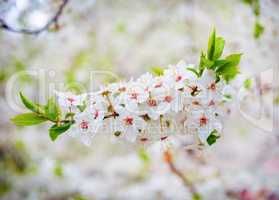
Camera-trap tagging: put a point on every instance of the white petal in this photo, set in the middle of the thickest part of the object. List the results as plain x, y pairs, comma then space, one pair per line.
153, 114
203, 134
130, 134
86, 140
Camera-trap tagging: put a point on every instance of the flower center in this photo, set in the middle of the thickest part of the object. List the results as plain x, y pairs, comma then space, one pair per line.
194, 90
71, 100
128, 120
96, 114
144, 139
122, 89
84, 125
196, 103
203, 120
134, 95
158, 85
212, 86
178, 78
168, 99
211, 103
152, 102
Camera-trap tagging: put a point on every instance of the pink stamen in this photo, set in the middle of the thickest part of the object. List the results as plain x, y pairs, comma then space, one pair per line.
168, 99
134, 95
163, 138
128, 120
71, 100
212, 87
211, 103
96, 114
203, 120
178, 78
122, 89
152, 102
84, 125
158, 85
143, 139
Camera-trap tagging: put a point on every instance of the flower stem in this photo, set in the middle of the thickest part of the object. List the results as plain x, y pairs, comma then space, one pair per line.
168, 158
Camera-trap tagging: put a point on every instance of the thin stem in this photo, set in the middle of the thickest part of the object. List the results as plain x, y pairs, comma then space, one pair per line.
53, 20
188, 184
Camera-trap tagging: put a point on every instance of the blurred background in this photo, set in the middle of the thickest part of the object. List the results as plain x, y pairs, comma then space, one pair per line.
127, 38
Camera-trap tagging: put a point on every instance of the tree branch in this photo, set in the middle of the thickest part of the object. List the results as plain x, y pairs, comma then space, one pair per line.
53, 20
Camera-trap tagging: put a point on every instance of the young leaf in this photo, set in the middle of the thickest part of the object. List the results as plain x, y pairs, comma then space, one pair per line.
219, 47
234, 59
69, 115
204, 63
194, 71
30, 105
219, 63
52, 110
213, 137
230, 69
82, 107
211, 45
158, 71
56, 130
230, 73
27, 119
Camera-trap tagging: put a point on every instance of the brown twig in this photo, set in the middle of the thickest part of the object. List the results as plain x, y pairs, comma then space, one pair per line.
188, 184
53, 20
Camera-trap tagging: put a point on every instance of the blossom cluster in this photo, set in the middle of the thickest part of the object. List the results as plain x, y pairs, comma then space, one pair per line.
153, 108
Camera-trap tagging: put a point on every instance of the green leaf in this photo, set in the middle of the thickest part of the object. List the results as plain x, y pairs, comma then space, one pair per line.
28, 119
219, 47
228, 96
258, 29
56, 130
204, 63
52, 110
30, 105
234, 59
219, 63
194, 71
230, 73
82, 107
214, 135
69, 115
230, 69
157, 71
211, 45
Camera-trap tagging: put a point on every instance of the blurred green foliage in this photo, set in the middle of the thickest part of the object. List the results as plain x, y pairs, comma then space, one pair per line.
58, 170
258, 29
256, 8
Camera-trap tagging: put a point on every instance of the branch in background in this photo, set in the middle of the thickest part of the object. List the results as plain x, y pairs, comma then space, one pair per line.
188, 184
52, 21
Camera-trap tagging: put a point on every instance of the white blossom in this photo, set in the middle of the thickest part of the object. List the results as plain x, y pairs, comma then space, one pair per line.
152, 108
69, 99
